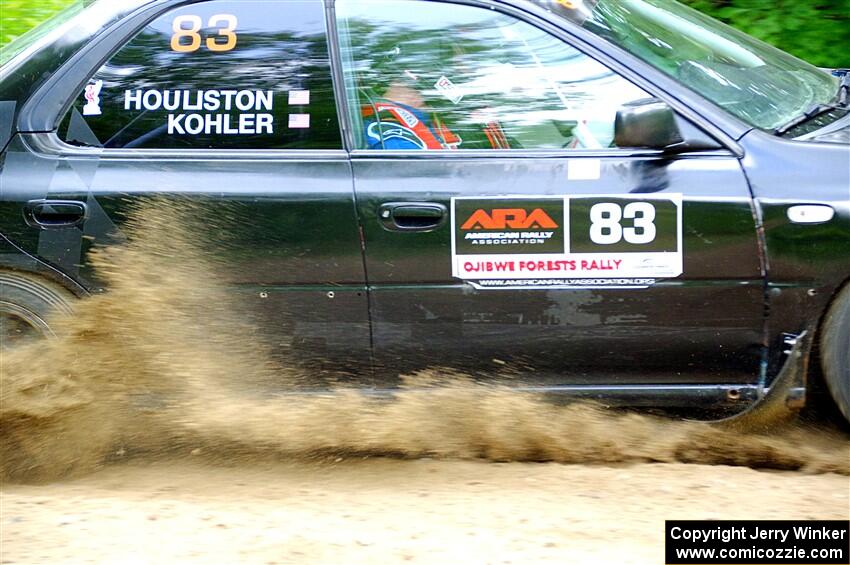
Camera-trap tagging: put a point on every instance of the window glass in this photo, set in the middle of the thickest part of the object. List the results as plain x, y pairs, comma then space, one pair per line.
758, 83
424, 75
221, 74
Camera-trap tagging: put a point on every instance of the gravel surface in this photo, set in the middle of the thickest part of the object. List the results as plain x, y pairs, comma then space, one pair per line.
391, 511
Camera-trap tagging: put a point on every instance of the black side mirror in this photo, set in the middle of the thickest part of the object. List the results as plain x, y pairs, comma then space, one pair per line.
648, 123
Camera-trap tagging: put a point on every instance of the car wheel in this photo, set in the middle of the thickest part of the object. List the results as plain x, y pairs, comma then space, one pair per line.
27, 304
835, 351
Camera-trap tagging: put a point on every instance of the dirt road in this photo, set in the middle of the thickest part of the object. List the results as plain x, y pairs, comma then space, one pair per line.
391, 511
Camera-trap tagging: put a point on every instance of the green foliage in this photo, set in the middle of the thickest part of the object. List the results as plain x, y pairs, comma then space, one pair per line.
815, 30
19, 16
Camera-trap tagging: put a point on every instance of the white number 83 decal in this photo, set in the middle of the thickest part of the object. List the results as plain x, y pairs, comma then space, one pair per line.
606, 229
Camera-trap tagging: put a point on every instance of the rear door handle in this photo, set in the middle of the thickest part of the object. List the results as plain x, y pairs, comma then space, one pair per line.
412, 216
54, 214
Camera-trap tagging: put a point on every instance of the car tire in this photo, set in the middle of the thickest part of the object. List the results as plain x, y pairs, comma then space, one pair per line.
27, 305
835, 350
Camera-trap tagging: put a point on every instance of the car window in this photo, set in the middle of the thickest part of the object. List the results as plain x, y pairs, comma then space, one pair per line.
754, 81
426, 75
219, 74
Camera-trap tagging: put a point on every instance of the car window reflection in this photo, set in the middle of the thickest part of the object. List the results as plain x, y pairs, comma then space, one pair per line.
441, 76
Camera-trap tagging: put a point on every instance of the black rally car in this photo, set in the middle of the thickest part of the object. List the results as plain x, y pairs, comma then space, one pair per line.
623, 200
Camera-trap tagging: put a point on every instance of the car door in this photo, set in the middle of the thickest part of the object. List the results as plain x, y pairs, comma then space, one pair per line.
507, 236
228, 104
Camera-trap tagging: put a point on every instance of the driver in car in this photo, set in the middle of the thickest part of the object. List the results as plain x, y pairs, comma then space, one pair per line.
411, 111
400, 119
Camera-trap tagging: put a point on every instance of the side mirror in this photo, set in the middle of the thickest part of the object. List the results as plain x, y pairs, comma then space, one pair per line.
648, 123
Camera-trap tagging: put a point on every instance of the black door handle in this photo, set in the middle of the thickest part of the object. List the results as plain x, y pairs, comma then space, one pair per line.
53, 214
412, 216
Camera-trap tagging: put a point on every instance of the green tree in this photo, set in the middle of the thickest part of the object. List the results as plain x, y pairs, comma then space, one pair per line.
815, 30
19, 16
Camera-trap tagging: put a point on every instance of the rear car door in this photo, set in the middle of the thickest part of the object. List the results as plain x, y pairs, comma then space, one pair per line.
226, 103
507, 235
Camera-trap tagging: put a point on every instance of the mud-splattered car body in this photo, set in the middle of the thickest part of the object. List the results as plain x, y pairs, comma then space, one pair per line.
666, 274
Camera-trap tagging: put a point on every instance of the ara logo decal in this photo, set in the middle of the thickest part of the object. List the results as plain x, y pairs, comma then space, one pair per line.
513, 218
508, 225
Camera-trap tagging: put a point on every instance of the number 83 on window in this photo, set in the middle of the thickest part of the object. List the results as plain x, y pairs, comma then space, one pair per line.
187, 37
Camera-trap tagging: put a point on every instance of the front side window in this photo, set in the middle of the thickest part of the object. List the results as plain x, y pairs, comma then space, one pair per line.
221, 74
426, 75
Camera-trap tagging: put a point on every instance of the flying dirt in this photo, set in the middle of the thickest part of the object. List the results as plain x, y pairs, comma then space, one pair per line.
165, 361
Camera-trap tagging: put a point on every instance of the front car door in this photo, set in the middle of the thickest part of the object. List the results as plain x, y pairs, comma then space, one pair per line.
229, 104
506, 234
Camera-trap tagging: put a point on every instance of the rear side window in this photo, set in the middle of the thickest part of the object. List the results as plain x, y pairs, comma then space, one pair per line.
221, 74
